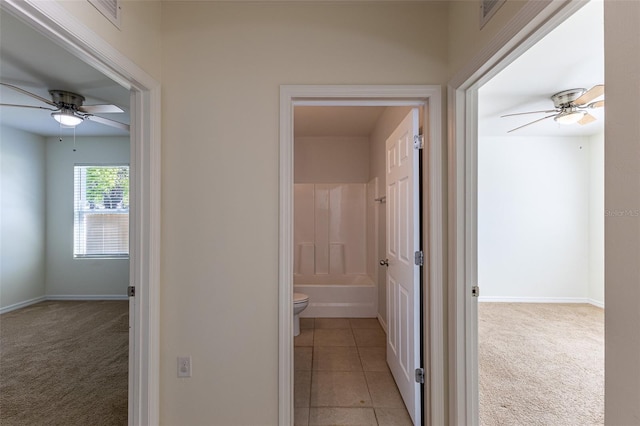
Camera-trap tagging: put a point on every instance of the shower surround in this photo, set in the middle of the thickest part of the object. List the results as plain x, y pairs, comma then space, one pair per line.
332, 226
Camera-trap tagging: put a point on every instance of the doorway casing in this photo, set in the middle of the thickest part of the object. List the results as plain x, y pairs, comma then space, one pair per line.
528, 26
56, 23
433, 337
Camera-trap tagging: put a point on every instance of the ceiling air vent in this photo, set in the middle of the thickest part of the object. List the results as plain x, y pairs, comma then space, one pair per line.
488, 8
110, 9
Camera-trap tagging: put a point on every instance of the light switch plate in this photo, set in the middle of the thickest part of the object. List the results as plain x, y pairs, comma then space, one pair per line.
184, 366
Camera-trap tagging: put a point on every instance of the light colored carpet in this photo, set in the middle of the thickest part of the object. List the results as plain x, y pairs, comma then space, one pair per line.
541, 364
64, 363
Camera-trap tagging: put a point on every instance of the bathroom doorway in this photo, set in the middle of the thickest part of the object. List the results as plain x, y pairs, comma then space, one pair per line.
347, 335
340, 359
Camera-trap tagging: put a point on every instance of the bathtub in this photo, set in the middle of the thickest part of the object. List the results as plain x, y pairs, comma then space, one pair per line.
338, 296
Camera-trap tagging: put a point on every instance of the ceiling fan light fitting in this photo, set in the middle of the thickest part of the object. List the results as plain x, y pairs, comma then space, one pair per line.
569, 117
67, 118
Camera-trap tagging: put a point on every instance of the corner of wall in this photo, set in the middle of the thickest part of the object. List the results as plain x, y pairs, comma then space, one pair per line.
22, 213
596, 219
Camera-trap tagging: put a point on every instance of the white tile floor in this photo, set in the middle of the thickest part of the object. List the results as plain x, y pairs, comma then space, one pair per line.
342, 377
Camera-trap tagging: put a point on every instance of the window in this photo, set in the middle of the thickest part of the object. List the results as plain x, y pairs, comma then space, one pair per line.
101, 211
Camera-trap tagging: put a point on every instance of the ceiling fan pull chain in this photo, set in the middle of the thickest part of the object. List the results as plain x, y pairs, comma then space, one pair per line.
74, 139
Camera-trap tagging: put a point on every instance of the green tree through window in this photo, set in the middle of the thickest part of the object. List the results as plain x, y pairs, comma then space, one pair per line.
101, 211
108, 186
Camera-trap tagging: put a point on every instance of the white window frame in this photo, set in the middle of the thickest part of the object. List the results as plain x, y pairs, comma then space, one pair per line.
83, 213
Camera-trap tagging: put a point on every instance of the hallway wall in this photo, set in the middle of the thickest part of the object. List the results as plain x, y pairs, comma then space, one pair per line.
238, 55
622, 202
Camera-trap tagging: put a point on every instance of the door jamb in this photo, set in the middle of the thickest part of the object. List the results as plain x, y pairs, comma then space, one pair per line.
528, 26
433, 184
60, 26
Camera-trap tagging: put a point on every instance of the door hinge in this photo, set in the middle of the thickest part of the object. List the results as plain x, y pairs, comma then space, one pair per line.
419, 258
131, 291
419, 375
418, 142
475, 291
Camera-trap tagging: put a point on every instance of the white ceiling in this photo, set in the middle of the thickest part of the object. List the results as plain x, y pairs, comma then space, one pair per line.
34, 63
571, 56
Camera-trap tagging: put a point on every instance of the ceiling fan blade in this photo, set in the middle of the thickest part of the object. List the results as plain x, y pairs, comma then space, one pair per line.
29, 106
33, 95
108, 122
588, 118
530, 112
589, 95
533, 122
100, 109
596, 104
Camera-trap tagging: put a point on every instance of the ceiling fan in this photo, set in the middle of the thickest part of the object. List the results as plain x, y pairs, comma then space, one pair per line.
571, 106
68, 109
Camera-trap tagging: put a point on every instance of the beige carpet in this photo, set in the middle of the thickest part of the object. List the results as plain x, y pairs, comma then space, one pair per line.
541, 364
64, 363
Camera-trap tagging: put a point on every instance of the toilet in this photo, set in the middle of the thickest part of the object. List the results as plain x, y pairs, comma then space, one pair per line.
300, 302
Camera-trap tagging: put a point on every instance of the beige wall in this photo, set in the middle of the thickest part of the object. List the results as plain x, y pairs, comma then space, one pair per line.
331, 159
466, 38
138, 38
622, 201
222, 69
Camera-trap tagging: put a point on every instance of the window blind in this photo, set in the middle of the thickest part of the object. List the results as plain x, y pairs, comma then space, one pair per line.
101, 211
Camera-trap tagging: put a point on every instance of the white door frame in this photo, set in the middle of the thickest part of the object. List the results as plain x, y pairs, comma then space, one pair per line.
528, 26
56, 23
433, 202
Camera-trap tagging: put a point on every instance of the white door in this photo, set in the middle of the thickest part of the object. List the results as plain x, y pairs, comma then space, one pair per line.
403, 276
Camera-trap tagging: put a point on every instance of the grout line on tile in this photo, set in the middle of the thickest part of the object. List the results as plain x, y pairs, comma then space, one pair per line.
375, 415
311, 380
358, 350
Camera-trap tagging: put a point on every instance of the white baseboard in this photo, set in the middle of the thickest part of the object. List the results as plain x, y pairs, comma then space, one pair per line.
498, 299
382, 324
595, 302
338, 310
87, 297
22, 304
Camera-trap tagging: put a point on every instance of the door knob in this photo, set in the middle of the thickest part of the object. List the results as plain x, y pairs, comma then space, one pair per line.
384, 262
